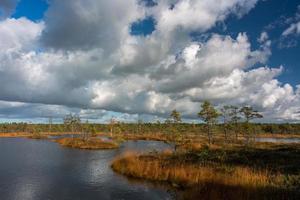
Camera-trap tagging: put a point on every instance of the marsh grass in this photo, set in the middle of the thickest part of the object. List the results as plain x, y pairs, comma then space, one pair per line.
216, 173
92, 143
37, 136
159, 168
149, 136
14, 134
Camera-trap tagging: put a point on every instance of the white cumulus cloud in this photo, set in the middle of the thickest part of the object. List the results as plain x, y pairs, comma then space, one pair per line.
82, 58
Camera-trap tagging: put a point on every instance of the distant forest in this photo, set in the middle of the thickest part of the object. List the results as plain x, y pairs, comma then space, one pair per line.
229, 120
142, 128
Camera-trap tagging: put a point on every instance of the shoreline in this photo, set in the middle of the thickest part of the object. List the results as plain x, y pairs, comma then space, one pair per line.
261, 169
90, 144
148, 136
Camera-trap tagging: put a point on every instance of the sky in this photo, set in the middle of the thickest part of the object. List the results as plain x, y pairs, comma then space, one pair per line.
141, 59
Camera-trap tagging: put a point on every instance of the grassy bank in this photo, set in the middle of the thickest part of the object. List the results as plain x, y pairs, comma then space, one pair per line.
92, 143
234, 173
37, 136
13, 135
148, 136
28, 134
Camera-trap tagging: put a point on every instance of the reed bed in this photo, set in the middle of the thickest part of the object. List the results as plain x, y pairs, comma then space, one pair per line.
92, 143
158, 168
215, 173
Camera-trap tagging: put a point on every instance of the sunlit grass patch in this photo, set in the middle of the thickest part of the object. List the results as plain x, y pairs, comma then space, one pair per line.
206, 168
93, 143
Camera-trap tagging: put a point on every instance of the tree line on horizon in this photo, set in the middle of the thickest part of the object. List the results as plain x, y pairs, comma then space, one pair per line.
229, 120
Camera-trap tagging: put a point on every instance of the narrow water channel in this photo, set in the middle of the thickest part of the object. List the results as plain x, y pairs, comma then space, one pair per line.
278, 140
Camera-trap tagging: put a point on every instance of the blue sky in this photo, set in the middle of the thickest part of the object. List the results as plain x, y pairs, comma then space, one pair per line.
31, 9
80, 58
257, 20
264, 14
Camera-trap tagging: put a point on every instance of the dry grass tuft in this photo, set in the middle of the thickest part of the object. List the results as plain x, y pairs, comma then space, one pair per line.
13, 135
37, 136
87, 144
215, 174
159, 169
148, 136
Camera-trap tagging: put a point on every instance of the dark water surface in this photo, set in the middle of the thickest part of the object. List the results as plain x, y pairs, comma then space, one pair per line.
41, 170
278, 140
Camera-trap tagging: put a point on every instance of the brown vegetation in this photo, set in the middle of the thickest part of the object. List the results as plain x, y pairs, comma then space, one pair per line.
149, 136
235, 172
158, 168
9, 135
92, 143
37, 136
27, 134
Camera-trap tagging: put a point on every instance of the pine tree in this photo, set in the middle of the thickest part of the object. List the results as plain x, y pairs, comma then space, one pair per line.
209, 115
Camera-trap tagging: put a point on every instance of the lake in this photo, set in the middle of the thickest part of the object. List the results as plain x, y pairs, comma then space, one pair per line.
41, 169
278, 140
